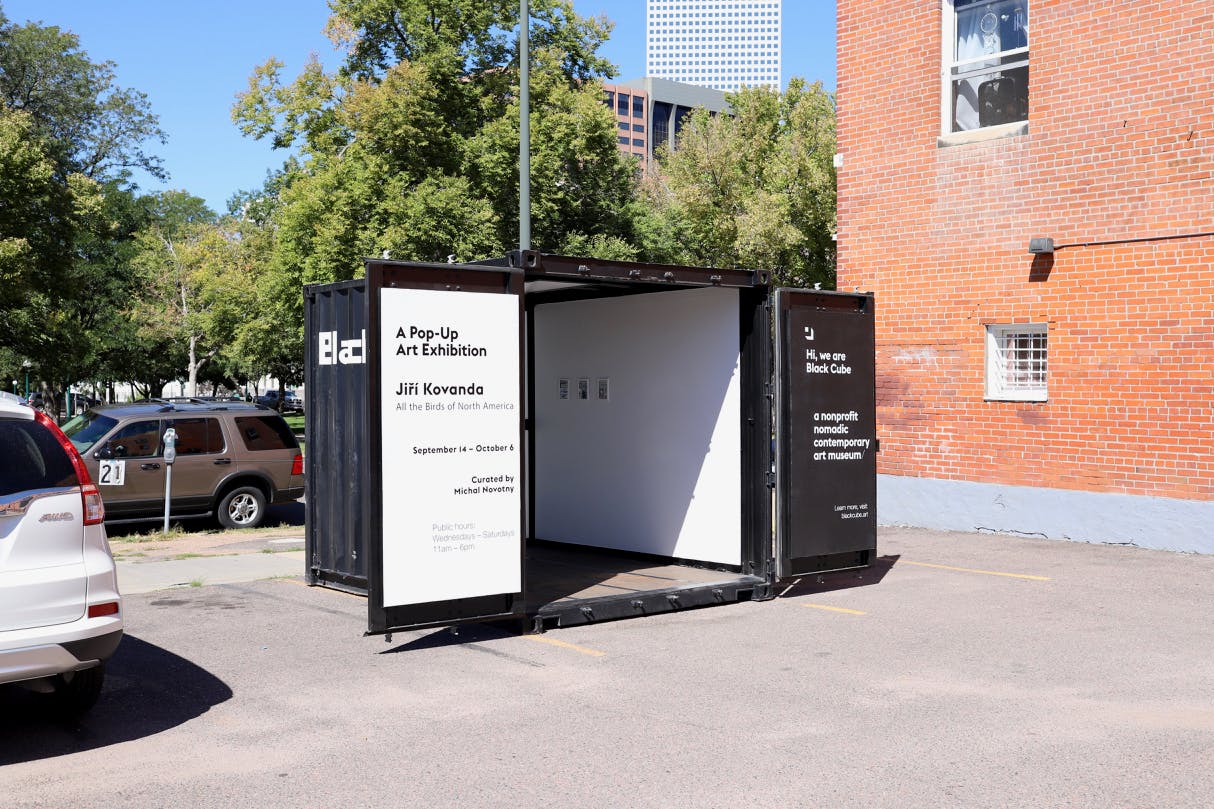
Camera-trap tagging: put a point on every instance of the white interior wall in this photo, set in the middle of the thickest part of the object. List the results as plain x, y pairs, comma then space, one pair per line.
657, 467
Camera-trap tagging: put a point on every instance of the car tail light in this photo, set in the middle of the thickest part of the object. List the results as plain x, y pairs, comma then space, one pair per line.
94, 509
101, 610
90, 498
297, 465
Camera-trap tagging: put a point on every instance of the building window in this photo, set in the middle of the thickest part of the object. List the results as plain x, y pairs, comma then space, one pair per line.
661, 123
681, 113
621, 106
986, 54
1016, 362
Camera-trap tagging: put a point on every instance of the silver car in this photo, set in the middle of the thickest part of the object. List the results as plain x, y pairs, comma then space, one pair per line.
60, 611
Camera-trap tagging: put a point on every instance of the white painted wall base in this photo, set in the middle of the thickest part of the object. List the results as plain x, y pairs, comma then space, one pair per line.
1119, 519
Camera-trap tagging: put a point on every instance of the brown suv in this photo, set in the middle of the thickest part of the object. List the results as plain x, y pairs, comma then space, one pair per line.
232, 459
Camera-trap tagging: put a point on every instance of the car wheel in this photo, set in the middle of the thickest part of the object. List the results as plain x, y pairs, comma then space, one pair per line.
76, 691
243, 507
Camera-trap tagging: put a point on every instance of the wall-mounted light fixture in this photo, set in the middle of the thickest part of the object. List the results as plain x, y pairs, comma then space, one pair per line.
1041, 245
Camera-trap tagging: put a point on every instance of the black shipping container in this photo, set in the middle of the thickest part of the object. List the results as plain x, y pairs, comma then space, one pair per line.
335, 430
561, 440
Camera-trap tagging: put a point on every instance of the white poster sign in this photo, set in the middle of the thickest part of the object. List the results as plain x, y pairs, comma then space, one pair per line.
449, 404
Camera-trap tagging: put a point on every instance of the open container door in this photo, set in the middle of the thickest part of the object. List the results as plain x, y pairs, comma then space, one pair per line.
826, 468
445, 491
650, 430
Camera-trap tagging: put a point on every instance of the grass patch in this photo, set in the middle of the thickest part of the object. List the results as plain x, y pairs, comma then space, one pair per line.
196, 582
154, 535
284, 549
178, 532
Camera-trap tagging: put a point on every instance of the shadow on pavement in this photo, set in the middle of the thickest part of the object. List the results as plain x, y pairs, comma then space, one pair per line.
843, 580
285, 514
147, 690
457, 636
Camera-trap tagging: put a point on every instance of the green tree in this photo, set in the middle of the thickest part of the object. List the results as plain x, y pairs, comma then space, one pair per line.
69, 139
92, 126
752, 189
196, 289
580, 183
268, 340
412, 146
43, 280
37, 216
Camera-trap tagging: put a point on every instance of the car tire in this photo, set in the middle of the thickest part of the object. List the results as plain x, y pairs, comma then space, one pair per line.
75, 692
242, 507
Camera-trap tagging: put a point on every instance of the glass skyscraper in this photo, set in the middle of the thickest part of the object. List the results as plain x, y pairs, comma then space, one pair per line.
722, 44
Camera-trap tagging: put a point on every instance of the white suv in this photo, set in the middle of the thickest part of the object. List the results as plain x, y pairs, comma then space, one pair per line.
60, 612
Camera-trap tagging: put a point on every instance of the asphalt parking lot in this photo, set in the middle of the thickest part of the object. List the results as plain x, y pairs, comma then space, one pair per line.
962, 670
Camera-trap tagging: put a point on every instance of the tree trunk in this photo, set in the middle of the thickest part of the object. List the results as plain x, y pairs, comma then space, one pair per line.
192, 388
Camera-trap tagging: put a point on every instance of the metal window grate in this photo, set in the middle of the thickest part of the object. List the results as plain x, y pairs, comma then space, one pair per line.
1017, 362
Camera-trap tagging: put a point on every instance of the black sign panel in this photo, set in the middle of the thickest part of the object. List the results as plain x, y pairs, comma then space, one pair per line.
826, 467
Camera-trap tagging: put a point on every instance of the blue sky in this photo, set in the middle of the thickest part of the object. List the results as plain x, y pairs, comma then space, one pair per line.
192, 58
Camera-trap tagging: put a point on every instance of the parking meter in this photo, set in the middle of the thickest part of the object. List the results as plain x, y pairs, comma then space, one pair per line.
170, 446
170, 455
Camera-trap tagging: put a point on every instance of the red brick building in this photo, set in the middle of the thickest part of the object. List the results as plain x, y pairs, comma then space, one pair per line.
1067, 392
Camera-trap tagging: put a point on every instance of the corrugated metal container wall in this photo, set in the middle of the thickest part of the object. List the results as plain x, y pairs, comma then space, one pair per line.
336, 434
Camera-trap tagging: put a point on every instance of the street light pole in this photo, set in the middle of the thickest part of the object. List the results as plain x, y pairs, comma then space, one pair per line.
524, 139
26, 365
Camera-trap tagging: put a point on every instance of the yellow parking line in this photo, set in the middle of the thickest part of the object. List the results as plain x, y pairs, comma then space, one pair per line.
834, 609
972, 570
563, 645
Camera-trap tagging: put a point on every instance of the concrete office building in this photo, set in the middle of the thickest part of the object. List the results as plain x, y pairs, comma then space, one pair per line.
650, 112
722, 45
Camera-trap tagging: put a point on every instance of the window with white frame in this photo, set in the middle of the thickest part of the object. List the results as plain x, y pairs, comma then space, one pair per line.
1016, 362
986, 61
